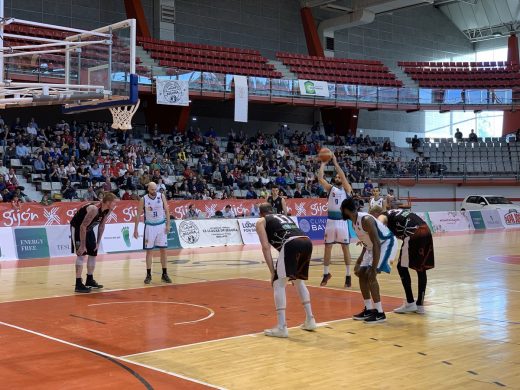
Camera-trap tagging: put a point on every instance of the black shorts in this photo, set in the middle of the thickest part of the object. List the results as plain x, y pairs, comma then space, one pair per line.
90, 239
417, 250
294, 259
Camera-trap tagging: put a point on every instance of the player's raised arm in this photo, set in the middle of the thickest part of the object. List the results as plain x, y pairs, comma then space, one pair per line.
140, 210
344, 181
321, 178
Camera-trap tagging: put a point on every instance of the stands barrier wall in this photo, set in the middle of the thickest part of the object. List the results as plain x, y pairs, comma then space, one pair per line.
41, 232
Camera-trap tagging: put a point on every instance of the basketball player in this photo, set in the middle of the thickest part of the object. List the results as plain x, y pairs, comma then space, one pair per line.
84, 241
379, 248
336, 229
277, 201
416, 253
295, 249
156, 229
376, 200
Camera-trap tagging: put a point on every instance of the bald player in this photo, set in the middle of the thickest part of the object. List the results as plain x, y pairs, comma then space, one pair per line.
156, 229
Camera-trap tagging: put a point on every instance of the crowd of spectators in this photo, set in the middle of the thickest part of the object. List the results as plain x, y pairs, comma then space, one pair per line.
91, 157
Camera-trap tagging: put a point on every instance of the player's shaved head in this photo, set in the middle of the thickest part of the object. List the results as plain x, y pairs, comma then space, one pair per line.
152, 186
265, 209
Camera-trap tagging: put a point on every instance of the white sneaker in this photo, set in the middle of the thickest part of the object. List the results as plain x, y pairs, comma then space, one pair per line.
309, 325
406, 308
277, 332
420, 309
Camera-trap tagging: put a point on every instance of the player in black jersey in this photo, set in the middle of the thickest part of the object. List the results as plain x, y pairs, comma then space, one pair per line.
295, 249
416, 252
84, 239
277, 201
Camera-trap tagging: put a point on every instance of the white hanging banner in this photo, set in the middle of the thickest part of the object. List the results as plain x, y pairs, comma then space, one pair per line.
241, 98
173, 92
314, 88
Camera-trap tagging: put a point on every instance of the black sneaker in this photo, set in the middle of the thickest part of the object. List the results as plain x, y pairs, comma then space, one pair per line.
93, 284
326, 278
375, 317
363, 315
81, 288
165, 278
348, 281
148, 279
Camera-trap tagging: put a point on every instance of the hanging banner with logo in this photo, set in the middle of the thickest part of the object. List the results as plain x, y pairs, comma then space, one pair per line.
119, 237
7, 244
241, 98
31, 243
510, 218
314, 88
313, 227
201, 233
492, 219
59, 240
173, 92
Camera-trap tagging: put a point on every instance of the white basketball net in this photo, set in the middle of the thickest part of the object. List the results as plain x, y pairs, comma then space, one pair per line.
122, 116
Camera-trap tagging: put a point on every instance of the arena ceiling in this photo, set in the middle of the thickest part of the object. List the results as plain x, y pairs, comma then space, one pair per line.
478, 20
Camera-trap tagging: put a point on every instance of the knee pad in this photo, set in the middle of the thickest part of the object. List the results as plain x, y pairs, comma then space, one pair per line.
80, 260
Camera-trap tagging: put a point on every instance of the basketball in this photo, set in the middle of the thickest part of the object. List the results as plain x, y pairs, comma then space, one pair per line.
325, 154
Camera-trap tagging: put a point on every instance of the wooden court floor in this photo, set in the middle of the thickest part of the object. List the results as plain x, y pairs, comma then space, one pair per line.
205, 330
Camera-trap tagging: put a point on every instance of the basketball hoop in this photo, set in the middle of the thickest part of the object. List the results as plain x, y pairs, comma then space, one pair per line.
122, 116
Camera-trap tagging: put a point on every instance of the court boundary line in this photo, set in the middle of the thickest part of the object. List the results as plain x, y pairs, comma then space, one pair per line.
319, 325
120, 289
108, 355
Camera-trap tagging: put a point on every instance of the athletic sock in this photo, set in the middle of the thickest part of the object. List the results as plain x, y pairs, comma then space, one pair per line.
348, 270
368, 304
325, 269
164, 271
149, 272
90, 278
78, 281
379, 307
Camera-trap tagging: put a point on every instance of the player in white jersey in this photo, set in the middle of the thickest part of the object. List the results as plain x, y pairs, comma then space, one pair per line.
379, 248
336, 229
376, 200
156, 229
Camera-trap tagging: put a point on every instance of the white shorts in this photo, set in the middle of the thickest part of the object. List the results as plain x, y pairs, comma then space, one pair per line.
336, 232
388, 253
155, 237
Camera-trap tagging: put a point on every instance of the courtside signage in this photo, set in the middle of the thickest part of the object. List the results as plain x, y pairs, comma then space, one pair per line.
31, 243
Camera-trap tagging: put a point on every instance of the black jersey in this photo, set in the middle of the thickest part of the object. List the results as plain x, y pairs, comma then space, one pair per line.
79, 217
276, 204
403, 223
279, 229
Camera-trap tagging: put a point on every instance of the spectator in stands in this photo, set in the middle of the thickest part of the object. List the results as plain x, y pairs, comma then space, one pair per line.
39, 165
3, 169
416, 143
67, 191
90, 195
228, 212
517, 135
46, 201
192, 212
10, 152
16, 202
22, 153
458, 135
127, 195
96, 174
251, 194
472, 136
368, 188
255, 211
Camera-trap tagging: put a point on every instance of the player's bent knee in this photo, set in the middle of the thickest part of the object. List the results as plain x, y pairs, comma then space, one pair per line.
80, 260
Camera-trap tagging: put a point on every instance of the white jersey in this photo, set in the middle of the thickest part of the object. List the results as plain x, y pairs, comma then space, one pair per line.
383, 232
336, 197
154, 213
375, 202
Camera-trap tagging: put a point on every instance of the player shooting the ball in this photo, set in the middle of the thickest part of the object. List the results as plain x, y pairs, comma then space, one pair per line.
336, 229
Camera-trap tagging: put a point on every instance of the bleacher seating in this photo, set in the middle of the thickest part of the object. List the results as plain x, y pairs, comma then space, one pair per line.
467, 75
339, 70
207, 58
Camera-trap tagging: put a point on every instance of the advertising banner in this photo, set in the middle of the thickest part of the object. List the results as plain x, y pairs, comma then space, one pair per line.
59, 240
248, 230
314, 88
119, 237
208, 232
31, 243
173, 237
241, 98
510, 218
173, 92
7, 244
478, 220
492, 219
450, 221
313, 227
